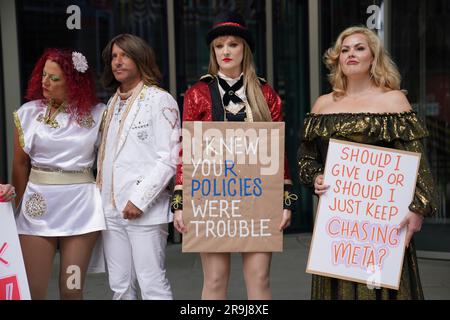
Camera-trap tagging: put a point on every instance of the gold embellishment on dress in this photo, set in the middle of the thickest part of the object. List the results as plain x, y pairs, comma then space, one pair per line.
364, 127
167, 114
86, 121
289, 198
19, 129
51, 123
50, 120
35, 206
177, 202
56, 169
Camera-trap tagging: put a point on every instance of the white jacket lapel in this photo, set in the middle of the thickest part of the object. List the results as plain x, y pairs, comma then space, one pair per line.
129, 122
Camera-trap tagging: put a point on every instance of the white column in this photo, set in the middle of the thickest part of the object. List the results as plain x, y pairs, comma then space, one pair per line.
314, 50
269, 43
11, 71
386, 24
314, 60
171, 46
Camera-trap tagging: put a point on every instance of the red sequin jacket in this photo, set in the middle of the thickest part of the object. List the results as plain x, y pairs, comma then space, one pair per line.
197, 106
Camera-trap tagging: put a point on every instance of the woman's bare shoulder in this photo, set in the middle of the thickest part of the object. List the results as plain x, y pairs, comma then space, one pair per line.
395, 101
322, 103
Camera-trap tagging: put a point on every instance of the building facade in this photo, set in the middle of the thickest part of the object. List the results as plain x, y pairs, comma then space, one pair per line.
291, 37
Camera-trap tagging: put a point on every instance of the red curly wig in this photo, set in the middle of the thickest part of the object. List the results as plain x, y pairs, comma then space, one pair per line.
81, 95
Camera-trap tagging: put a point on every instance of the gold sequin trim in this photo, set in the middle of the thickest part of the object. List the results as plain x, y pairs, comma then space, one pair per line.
86, 121
102, 124
51, 123
289, 198
36, 205
177, 202
19, 129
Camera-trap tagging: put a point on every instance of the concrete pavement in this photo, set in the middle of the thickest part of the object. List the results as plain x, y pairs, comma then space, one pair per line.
288, 278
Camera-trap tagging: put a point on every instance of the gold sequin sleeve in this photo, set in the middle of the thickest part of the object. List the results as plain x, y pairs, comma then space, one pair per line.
19, 129
424, 202
309, 163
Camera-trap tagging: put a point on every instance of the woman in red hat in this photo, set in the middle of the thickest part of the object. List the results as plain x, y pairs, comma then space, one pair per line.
232, 92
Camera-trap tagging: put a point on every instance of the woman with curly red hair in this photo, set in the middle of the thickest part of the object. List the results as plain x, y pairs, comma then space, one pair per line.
55, 144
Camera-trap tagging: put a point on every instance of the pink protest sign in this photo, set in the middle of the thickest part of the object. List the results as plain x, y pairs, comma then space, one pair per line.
356, 235
13, 278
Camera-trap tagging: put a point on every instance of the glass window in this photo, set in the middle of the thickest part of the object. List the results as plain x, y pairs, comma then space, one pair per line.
193, 19
422, 51
43, 24
291, 81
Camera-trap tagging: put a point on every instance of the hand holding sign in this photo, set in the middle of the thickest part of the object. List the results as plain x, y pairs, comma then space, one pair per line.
413, 223
7, 192
319, 186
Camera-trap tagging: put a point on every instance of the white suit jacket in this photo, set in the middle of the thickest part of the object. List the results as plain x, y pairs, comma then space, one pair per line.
146, 156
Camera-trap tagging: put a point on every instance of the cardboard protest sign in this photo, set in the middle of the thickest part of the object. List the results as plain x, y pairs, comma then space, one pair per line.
356, 235
13, 278
233, 176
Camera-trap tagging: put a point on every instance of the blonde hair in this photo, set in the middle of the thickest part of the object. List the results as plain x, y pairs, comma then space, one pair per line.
255, 97
383, 72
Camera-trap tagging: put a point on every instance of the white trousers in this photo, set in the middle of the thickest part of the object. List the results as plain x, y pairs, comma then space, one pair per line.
133, 254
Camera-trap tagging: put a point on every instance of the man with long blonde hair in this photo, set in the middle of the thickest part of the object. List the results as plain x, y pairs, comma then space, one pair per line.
136, 164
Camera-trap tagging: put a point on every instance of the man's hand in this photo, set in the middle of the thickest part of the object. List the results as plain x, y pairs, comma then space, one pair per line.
131, 211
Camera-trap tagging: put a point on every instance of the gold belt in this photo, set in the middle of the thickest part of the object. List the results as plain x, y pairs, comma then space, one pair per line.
49, 176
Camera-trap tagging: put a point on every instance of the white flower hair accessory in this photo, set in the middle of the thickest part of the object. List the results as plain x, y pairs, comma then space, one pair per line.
79, 62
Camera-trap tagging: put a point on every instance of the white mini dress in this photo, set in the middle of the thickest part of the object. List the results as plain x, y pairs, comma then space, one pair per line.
63, 209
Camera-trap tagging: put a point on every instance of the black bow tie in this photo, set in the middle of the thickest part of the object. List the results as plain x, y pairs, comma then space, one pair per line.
230, 92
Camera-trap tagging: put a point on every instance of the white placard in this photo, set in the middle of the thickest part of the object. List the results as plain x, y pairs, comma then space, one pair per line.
356, 234
13, 278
